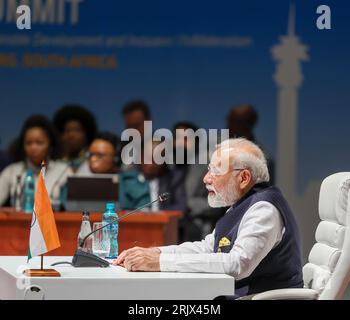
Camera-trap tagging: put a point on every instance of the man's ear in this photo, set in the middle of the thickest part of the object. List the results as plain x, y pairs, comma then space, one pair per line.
245, 178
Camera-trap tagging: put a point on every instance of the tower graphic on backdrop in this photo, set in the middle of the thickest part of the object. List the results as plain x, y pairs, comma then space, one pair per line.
289, 54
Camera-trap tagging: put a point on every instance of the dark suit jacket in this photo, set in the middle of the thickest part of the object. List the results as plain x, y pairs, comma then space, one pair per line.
173, 181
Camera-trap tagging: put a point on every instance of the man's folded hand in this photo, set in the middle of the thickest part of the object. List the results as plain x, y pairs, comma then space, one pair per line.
139, 259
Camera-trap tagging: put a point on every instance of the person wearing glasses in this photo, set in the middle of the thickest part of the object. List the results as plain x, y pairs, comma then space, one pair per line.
257, 241
103, 155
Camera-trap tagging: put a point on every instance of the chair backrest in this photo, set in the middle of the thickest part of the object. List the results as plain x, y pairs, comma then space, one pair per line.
328, 269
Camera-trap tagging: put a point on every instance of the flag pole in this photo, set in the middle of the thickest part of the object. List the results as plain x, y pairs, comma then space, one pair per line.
43, 170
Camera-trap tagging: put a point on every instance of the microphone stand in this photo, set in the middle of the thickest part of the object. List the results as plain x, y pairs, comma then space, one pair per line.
82, 258
18, 194
116, 220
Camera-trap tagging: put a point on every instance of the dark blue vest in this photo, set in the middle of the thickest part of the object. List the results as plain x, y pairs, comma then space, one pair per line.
282, 267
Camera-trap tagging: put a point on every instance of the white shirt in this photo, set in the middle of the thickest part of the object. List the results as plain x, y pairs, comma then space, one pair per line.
260, 230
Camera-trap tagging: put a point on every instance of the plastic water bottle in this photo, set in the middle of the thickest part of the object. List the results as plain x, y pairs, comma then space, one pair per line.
28, 194
108, 217
85, 229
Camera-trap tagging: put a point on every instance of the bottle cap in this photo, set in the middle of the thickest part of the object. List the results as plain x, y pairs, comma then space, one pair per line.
29, 173
86, 213
110, 206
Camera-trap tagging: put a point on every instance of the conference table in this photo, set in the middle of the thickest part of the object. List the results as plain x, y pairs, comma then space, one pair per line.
140, 229
111, 283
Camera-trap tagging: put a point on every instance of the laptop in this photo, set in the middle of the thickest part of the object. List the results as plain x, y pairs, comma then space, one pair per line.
91, 192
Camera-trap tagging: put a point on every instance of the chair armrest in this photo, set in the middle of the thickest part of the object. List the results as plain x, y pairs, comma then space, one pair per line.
287, 294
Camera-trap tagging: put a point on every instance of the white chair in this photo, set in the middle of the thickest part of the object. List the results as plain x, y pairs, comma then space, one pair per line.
327, 274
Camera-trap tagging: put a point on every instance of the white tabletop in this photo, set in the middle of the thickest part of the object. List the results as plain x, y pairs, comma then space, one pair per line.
107, 283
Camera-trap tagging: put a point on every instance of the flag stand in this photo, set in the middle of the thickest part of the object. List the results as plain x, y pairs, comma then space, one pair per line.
41, 272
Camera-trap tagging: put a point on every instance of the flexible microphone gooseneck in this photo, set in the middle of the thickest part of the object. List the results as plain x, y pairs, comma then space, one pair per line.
82, 258
161, 198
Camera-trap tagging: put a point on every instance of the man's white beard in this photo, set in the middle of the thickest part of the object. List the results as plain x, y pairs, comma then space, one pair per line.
227, 197
216, 201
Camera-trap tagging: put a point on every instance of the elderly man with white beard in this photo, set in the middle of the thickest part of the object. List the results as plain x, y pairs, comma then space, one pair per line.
257, 241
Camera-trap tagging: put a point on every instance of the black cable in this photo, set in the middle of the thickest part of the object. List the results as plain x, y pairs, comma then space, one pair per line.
61, 262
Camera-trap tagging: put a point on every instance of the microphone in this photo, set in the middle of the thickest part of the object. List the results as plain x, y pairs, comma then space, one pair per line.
82, 258
16, 199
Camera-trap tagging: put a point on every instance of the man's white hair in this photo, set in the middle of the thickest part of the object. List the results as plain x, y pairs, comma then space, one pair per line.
249, 156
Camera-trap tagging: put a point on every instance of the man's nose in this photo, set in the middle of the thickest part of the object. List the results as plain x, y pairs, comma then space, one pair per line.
207, 179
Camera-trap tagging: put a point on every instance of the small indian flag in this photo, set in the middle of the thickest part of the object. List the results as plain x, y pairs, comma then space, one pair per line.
43, 232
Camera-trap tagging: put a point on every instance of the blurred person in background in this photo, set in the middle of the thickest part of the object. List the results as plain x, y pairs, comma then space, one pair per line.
37, 142
103, 155
241, 121
135, 113
77, 128
199, 219
145, 182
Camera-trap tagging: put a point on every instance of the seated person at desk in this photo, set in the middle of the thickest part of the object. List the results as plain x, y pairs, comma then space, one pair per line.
145, 182
103, 155
37, 142
257, 241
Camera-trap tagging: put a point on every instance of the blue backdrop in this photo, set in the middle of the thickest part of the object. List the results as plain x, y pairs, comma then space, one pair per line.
189, 60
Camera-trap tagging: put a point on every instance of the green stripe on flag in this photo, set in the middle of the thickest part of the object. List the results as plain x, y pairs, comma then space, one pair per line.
29, 254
